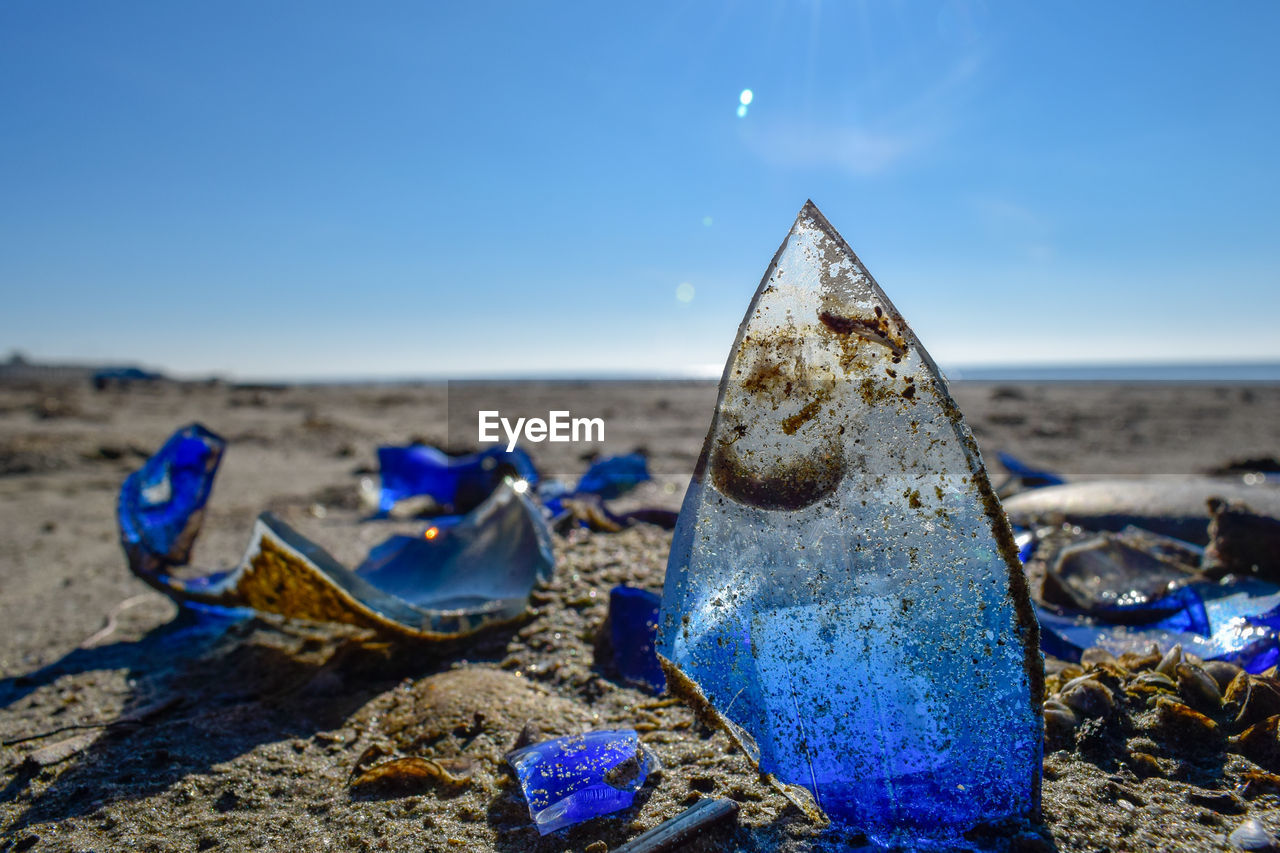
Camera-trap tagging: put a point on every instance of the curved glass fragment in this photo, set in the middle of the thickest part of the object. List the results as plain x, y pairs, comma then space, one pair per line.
843, 593
456, 579
1236, 621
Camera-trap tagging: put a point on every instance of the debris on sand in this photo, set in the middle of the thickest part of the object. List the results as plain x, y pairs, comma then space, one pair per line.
572, 779
453, 581
843, 594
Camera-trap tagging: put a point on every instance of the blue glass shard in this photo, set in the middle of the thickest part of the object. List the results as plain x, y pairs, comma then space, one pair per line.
1132, 577
1026, 540
614, 476
458, 483
576, 778
1236, 621
1028, 477
161, 505
464, 574
633, 624
843, 593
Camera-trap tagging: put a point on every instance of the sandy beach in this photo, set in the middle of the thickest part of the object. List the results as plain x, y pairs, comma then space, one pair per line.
244, 737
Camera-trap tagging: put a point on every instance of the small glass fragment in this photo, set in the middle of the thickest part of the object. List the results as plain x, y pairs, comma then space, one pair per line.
576, 778
843, 593
1023, 476
633, 623
455, 483
614, 476
1123, 591
458, 578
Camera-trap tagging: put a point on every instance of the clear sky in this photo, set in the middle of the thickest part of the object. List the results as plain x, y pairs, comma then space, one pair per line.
271, 189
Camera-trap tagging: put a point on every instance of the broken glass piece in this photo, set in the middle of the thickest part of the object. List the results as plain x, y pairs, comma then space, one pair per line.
843, 593
455, 483
1237, 621
633, 626
1164, 505
458, 578
614, 476
572, 779
1023, 476
162, 504
1117, 579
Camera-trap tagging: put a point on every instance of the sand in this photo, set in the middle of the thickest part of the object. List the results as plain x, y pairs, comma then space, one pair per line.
245, 736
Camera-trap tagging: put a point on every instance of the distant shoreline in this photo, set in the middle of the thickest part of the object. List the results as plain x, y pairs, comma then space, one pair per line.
1227, 372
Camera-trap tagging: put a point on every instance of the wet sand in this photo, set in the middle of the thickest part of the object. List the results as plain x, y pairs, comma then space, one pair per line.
250, 732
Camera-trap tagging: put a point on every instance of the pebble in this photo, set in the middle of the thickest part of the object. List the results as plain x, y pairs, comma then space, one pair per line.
1254, 837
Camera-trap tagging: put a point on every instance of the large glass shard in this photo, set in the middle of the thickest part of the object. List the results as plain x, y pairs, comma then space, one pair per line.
572, 779
454, 580
843, 593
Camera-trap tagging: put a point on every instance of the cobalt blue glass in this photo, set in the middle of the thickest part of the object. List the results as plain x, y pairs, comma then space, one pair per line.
459, 483
572, 779
633, 620
843, 594
614, 476
161, 505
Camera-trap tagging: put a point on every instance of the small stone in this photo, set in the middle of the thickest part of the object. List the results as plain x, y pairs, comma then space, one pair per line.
1253, 837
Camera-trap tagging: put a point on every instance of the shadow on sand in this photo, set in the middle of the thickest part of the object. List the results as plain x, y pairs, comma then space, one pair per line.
222, 686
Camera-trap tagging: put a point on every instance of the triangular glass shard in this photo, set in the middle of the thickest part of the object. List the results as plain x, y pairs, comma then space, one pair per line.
843, 593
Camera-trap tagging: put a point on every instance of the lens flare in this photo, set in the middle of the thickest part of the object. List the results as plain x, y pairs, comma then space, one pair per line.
746, 97
684, 292
431, 533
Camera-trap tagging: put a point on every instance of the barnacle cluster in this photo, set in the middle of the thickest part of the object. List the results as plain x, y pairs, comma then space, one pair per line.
1165, 706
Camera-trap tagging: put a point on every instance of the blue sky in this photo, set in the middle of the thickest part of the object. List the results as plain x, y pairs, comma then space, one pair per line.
269, 189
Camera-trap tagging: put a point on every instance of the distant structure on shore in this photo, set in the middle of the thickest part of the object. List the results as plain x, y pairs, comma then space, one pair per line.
19, 370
